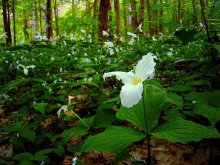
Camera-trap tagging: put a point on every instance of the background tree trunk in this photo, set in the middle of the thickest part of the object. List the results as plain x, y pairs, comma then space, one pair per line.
103, 17
161, 17
134, 19
35, 24
6, 20
118, 18
195, 18
150, 31
49, 20
56, 14
14, 22
141, 15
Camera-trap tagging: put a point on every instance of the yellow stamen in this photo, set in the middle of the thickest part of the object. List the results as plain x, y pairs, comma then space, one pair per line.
137, 80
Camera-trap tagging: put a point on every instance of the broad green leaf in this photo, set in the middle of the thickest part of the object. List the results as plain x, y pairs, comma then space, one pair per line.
28, 134
174, 99
23, 156
73, 132
209, 112
183, 131
185, 35
104, 116
180, 88
59, 150
146, 119
41, 107
41, 155
211, 98
113, 139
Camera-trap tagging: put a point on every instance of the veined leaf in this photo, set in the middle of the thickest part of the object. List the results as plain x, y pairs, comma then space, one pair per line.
73, 132
183, 131
146, 119
113, 139
209, 112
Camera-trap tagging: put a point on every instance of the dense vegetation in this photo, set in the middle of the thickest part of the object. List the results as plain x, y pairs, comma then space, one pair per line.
56, 107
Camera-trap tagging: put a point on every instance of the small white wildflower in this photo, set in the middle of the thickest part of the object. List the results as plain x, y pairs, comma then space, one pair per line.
105, 33
74, 160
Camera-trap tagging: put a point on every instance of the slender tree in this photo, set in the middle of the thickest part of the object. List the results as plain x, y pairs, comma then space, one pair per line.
6, 20
49, 20
195, 17
134, 18
150, 30
14, 22
56, 14
35, 21
118, 18
141, 15
161, 17
104, 8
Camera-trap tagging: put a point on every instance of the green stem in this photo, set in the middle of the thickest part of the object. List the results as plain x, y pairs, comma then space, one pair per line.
147, 137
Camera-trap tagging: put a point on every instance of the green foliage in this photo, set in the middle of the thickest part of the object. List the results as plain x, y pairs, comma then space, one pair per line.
113, 139
183, 131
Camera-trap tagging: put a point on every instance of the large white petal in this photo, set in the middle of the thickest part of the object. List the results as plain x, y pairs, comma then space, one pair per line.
145, 67
131, 94
126, 77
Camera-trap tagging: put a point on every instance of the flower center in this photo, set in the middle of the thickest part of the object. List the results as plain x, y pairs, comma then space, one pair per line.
137, 80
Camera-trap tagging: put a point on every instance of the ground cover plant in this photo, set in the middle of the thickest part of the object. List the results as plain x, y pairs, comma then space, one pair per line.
139, 99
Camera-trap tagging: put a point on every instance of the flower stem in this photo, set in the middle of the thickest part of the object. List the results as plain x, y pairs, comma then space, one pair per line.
147, 137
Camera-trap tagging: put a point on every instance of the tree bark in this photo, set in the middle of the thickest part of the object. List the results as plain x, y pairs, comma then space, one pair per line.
49, 20
155, 16
56, 14
14, 23
118, 18
6, 20
125, 18
150, 31
103, 17
161, 17
35, 25
195, 18
134, 19
141, 15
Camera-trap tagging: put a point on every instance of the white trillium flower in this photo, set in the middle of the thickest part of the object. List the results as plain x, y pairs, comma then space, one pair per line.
111, 51
131, 42
74, 160
140, 27
105, 33
109, 44
26, 68
132, 89
131, 34
64, 108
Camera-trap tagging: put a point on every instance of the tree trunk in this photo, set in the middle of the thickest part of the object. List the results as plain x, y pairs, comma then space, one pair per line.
179, 11
134, 19
195, 18
161, 17
118, 18
125, 18
103, 17
141, 15
14, 23
155, 16
49, 20
41, 27
56, 14
6, 20
35, 19
150, 31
